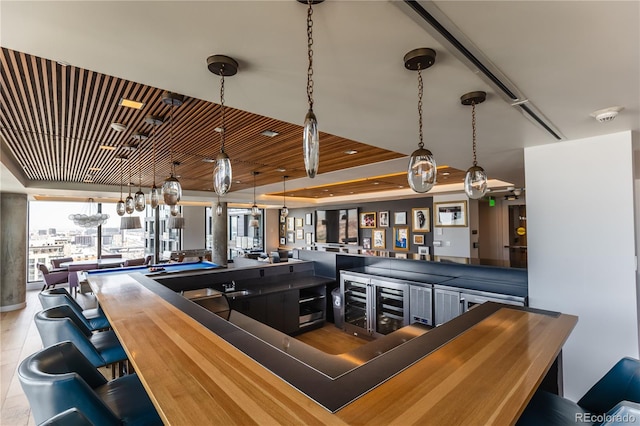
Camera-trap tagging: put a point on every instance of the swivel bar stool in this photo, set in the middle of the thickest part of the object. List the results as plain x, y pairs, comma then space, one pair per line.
94, 319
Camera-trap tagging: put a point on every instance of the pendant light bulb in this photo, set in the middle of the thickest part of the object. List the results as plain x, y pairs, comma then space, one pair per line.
422, 170
311, 144
475, 181
129, 204
222, 174
140, 201
219, 208
154, 196
174, 210
120, 209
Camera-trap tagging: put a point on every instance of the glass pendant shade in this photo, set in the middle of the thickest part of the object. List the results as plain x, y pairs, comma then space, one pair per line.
139, 201
120, 208
222, 174
174, 210
475, 182
171, 191
129, 205
311, 144
284, 211
154, 196
255, 211
219, 209
422, 170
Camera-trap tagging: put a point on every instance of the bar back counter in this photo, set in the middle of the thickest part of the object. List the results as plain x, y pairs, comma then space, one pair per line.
481, 367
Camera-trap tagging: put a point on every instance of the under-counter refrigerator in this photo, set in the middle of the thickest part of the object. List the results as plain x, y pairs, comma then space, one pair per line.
373, 306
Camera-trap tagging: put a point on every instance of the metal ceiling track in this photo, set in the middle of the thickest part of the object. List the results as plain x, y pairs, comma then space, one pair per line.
436, 23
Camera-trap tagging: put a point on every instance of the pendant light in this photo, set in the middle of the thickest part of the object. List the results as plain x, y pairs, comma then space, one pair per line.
171, 189
310, 135
139, 200
284, 211
224, 66
422, 169
154, 194
255, 211
174, 210
129, 204
475, 181
219, 207
120, 210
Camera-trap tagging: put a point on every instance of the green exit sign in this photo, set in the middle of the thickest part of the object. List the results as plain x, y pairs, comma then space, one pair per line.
492, 202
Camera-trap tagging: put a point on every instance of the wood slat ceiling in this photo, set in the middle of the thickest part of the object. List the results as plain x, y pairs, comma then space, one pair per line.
54, 119
446, 175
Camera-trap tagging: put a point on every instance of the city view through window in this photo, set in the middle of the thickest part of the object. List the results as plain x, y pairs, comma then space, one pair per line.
53, 235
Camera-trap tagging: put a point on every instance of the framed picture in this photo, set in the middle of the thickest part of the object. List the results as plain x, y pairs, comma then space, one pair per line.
421, 221
400, 218
401, 255
283, 229
379, 238
283, 241
283, 219
308, 219
309, 238
299, 223
366, 243
290, 223
423, 250
368, 220
418, 239
299, 234
451, 213
401, 238
291, 237
383, 218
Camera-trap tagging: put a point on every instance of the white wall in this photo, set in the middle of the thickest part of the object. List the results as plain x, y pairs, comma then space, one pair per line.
580, 214
454, 241
194, 232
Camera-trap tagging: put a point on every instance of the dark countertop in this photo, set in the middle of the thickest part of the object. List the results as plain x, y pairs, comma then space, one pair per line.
275, 285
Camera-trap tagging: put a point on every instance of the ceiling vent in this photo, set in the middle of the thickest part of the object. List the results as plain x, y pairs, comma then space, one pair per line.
436, 23
607, 114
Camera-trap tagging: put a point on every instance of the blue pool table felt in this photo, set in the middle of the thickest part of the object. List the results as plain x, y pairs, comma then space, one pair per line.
162, 268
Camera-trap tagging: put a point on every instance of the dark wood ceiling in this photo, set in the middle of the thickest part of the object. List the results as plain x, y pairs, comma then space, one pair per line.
55, 118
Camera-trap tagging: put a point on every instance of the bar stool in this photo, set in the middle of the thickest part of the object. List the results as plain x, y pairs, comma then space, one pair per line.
94, 318
60, 323
60, 377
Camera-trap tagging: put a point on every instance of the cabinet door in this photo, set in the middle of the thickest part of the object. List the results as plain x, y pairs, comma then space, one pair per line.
421, 306
447, 305
254, 307
283, 311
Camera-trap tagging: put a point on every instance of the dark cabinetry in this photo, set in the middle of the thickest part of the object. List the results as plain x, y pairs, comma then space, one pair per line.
254, 307
282, 311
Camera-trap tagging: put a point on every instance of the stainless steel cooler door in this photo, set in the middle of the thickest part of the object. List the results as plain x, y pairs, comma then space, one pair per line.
390, 307
355, 297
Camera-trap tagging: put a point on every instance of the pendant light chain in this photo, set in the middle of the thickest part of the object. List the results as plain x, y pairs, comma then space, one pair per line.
139, 170
153, 149
310, 53
224, 128
284, 191
420, 90
171, 140
129, 182
473, 127
121, 177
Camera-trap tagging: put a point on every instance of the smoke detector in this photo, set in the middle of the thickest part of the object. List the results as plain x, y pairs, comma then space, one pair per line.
607, 114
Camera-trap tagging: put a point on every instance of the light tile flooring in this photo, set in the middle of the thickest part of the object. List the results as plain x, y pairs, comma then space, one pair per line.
19, 338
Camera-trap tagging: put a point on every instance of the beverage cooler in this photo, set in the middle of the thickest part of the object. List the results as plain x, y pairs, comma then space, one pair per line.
373, 306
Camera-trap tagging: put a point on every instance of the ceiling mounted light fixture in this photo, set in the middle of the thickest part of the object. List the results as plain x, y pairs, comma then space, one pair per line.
120, 204
129, 203
422, 170
171, 189
284, 211
154, 193
224, 66
255, 211
89, 220
139, 199
310, 135
475, 181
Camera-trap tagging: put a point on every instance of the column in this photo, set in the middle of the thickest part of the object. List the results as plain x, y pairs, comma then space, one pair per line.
219, 251
13, 251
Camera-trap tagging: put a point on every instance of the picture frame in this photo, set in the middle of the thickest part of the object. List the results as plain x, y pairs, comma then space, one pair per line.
366, 243
309, 238
421, 219
401, 238
283, 229
379, 236
383, 219
400, 218
424, 250
450, 213
283, 241
290, 223
368, 220
291, 237
308, 219
418, 239
299, 222
283, 219
299, 234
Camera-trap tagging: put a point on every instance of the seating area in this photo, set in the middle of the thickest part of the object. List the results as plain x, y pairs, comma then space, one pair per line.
618, 391
52, 278
63, 387
94, 318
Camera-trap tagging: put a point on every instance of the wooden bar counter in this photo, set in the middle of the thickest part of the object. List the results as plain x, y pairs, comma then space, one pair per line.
485, 374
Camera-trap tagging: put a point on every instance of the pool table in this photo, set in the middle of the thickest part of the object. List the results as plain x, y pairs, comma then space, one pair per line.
160, 269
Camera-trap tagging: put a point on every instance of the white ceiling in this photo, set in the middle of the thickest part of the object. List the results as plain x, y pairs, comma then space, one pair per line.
568, 58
